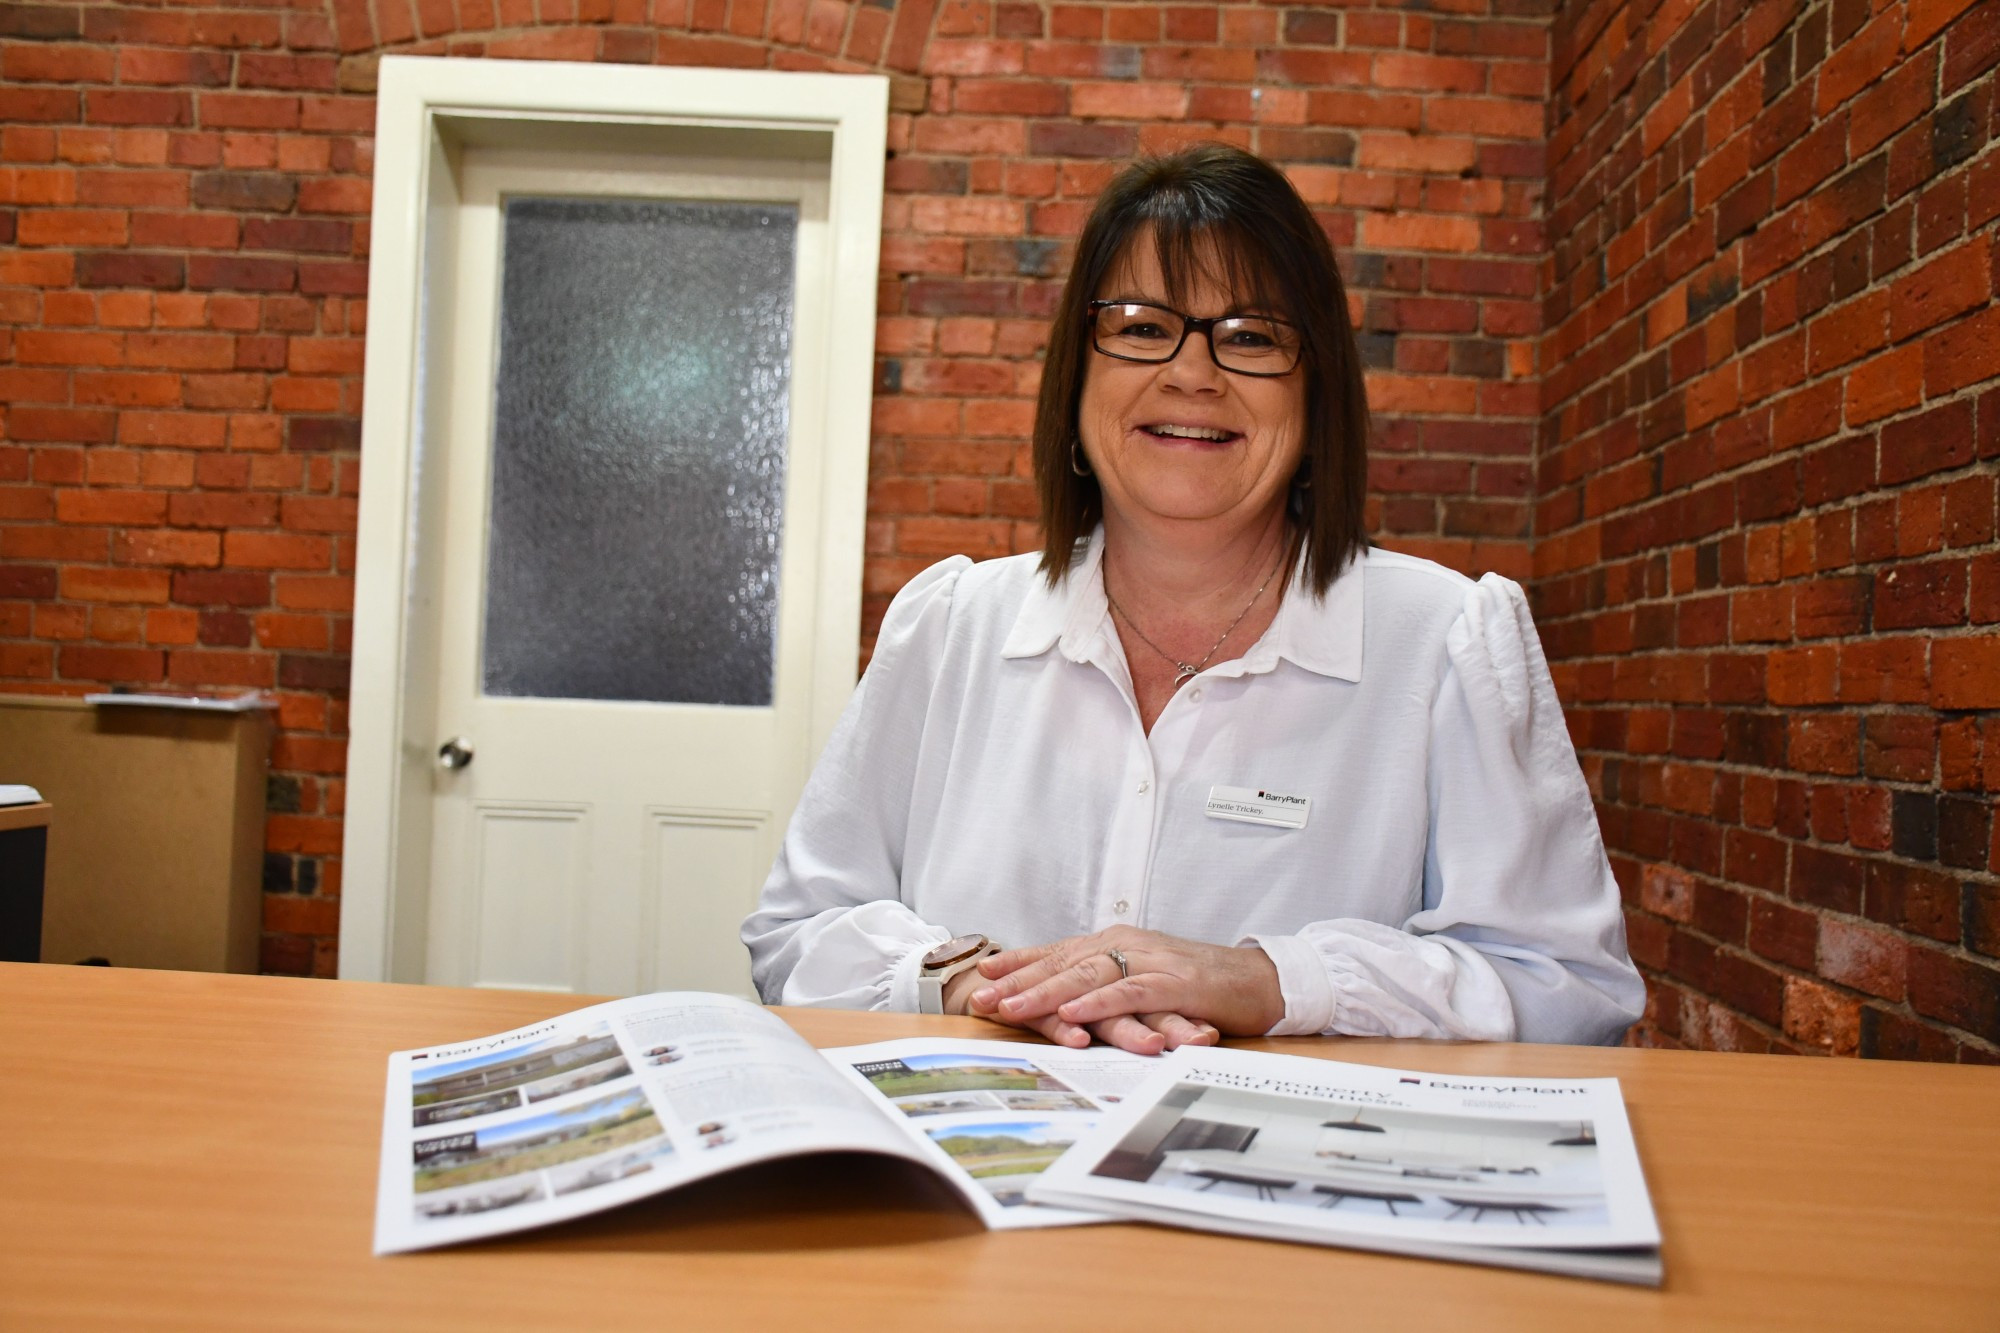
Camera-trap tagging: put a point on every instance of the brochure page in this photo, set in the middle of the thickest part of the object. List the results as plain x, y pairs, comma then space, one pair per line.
992, 1115
1533, 1172
598, 1107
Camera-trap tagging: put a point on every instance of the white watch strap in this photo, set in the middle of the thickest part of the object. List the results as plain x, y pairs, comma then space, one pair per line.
930, 993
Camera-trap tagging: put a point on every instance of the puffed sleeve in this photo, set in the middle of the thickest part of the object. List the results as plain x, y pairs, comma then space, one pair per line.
830, 928
1520, 936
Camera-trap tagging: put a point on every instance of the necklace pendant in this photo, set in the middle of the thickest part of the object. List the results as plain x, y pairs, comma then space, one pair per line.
1188, 673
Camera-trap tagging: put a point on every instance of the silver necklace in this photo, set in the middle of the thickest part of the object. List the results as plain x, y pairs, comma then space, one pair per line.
1189, 670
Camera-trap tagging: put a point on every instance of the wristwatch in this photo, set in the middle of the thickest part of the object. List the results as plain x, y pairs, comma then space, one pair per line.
943, 963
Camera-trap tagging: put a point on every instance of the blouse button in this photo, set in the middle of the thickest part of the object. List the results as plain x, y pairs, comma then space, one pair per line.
1144, 786
1120, 906
1194, 695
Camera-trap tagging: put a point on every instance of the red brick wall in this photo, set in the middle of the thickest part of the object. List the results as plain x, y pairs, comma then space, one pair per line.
184, 198
1417, 138
1765, 507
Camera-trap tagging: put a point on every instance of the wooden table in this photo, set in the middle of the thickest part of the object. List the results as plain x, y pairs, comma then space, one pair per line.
185, 1150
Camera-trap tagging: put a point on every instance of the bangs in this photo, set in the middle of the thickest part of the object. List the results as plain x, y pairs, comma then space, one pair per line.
1195, 248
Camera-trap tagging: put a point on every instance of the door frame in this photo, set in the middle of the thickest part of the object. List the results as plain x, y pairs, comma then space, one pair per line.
428, 111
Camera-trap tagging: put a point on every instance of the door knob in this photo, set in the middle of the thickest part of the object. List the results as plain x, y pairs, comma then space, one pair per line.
455, 753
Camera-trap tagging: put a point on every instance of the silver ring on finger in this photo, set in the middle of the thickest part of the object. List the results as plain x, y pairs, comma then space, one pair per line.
1118, 958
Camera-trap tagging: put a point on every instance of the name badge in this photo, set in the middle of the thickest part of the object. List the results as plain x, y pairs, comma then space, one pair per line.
1248, 805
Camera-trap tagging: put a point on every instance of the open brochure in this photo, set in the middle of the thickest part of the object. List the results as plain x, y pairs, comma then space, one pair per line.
637, 1097
1528, 1173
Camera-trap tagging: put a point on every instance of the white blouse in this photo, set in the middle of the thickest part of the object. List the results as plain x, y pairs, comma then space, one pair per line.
991, 774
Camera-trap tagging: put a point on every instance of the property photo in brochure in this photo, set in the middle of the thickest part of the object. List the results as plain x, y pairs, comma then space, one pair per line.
503, 1080
1537, 1173
1333, 1155
455, 1175
1000, 1112
1004, 1156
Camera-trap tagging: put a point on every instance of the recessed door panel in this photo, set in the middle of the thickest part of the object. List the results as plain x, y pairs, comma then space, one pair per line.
705, 866
532, 864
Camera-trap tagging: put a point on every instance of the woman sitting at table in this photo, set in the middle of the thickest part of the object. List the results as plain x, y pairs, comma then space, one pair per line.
1208, 762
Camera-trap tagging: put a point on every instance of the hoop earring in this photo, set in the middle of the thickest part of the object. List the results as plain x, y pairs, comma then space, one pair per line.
1299, 499
1076, 463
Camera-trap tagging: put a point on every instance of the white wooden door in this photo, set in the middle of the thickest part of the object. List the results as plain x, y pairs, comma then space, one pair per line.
629, 539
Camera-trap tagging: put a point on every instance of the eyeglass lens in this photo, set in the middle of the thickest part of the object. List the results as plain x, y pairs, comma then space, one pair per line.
1247, 343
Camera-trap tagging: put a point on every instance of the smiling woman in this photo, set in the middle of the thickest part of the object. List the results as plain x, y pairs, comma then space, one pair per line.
1210, 225
1215, 765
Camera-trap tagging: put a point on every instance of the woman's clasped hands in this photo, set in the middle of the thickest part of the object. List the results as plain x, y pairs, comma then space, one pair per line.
1170, 992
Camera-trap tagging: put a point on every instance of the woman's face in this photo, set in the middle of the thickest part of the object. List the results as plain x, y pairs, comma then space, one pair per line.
1184, 439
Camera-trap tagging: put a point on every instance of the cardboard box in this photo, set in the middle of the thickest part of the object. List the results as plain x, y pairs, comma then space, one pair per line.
156, 850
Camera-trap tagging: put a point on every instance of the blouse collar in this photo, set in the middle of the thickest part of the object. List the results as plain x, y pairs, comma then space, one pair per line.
1322, 635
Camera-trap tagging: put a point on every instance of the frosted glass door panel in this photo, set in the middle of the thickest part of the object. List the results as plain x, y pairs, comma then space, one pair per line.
640, 418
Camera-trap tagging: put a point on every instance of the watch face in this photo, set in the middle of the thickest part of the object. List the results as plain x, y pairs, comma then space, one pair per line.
953, 949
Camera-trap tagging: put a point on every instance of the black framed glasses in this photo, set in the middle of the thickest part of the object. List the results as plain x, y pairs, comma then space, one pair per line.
1239, 344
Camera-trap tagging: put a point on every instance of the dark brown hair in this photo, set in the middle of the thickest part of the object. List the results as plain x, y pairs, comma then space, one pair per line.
1206, 206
